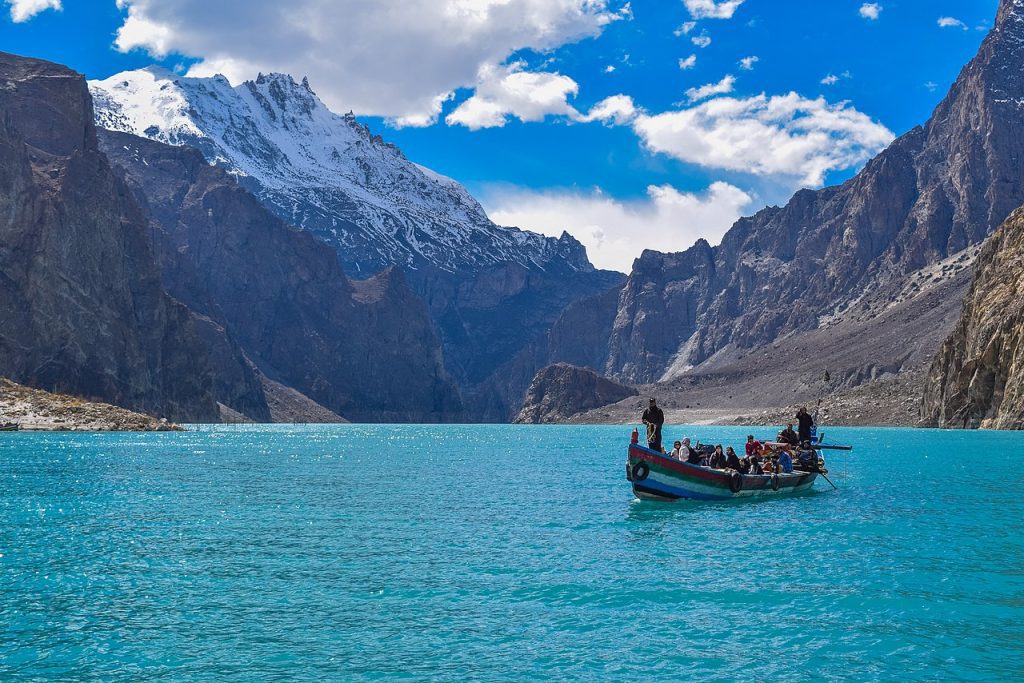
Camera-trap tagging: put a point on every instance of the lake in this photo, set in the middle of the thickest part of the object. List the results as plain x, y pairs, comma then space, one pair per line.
500, 553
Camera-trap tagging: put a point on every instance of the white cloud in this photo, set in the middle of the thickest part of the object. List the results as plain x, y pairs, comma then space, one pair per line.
832, 79
951, 22
747, 63
712, 9
701, 41
392, 58
723, 87
786, 136
617, 109
616, 231
23, 10
610, 69
507, 91
931, 86
688, 63
685, 28
871, 10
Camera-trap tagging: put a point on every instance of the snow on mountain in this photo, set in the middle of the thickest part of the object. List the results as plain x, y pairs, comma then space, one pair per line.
324, 172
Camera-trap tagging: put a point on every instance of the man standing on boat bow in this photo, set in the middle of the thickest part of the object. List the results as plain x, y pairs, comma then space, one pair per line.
653, 419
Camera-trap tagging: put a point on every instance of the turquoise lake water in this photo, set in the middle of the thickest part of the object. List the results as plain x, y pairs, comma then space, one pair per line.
500, 553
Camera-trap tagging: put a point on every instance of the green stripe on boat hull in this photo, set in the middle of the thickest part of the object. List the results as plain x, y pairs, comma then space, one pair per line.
663, 478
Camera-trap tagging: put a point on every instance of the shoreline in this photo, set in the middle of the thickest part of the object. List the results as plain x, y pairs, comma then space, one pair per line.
35, 410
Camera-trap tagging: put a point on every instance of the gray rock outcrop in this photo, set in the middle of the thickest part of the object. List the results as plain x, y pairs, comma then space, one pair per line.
82, 310
561, 391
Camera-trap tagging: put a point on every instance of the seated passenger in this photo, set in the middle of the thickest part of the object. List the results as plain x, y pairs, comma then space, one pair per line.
687, 454
785, 462
677, 449
787, 435
717, 460
755, 466
807, 456
731, 459
752, 445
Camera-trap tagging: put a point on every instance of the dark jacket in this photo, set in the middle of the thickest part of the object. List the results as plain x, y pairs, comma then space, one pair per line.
692, 456
806, 422
787, 435
653, 415
717, 461
732, 460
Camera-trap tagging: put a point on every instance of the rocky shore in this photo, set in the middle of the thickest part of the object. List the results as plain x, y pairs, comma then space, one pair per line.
35, 410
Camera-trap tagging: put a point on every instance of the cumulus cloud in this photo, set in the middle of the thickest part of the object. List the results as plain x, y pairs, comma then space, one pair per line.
616, 231
723, 87
951, 22
617, 109
747, 63
503, 92
871, 10
786, 136
712, 9
391, 58
23, 10
688, 63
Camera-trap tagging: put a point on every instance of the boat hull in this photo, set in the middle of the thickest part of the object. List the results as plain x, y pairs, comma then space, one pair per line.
655, 476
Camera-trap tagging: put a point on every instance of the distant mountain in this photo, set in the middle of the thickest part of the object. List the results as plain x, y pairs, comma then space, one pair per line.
843, 256
81, 306
365, 350
323, 172
490, 291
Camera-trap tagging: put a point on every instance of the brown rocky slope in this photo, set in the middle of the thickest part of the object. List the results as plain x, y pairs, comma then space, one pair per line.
977, 379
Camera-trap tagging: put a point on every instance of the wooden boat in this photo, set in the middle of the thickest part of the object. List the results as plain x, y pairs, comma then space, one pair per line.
9, 427
656, 476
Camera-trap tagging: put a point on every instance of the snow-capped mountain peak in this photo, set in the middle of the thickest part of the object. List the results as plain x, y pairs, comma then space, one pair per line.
323, 171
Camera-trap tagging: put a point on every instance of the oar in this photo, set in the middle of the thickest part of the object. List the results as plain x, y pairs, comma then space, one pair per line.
827, 479
822, 446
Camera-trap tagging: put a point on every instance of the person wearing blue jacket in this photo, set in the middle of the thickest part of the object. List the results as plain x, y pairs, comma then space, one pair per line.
786, 462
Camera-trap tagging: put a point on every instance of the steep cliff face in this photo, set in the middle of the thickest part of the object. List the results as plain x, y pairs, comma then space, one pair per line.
560, 391
977, 378
366, 351
846, 251
81, 306
491, 291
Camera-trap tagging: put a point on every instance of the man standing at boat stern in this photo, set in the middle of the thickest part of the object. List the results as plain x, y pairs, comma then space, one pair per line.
653, 418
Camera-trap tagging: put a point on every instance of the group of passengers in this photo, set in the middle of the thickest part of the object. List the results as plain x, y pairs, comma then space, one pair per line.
759, 458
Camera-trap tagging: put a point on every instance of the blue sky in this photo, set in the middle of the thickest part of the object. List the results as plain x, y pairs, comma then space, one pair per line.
519, 126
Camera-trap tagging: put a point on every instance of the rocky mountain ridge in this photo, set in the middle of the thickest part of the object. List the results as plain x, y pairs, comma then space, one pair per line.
490, 291
365, 350
324, 172
843, 253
